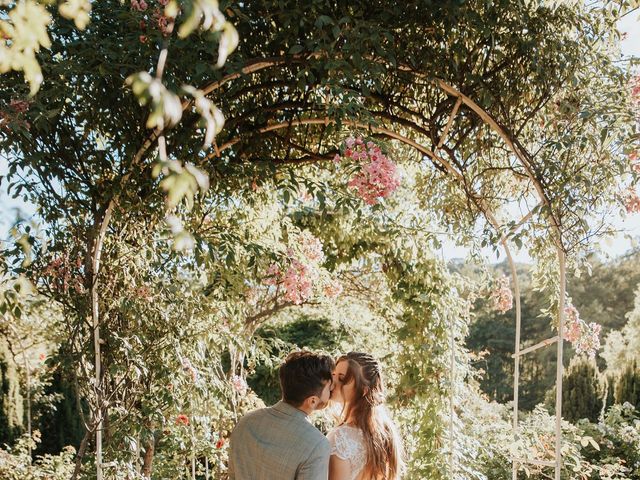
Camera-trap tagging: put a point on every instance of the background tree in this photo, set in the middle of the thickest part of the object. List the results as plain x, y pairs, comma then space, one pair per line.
582, 391
628, 386
11, 401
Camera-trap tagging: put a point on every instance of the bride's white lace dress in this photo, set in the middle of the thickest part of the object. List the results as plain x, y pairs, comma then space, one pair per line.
347, 443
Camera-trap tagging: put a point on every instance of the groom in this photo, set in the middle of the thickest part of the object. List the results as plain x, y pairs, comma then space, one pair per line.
279, 442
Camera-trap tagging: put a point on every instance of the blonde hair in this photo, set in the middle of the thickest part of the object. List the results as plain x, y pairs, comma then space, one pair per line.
371, 416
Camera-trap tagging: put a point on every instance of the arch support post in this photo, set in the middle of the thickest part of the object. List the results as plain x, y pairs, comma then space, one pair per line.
559, 364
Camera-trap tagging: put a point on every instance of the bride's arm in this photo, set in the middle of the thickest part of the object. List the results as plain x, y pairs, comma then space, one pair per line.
339, 469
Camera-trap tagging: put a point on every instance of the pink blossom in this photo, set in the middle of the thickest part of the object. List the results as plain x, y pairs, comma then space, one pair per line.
337, 158
635, 89
501, 296
376, 179
163, 2
332, 290
143, 39
239, 384
634, 158
350, 142
273, 275
589, 342
182, 420
632, 202
190, 370
64, 274
19, 106
143, 292
572, 325
310, 247
164, 24
252, 296
297, 283
303, 195
585, 338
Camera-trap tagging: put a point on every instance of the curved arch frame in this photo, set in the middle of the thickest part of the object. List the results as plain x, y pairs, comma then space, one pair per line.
523, 158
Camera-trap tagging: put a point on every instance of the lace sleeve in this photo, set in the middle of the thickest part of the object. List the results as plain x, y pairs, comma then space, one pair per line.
347, 444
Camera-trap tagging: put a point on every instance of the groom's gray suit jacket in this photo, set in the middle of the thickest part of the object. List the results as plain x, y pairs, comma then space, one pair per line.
278, 443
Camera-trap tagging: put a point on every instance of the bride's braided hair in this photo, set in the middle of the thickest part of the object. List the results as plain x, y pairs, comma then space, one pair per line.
368, 412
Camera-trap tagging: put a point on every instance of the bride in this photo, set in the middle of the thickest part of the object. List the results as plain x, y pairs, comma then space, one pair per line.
365, 445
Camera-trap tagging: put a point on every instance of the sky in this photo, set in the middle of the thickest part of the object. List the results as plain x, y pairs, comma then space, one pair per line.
629, 227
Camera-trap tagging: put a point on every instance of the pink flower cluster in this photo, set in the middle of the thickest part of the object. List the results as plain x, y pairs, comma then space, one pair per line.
584, 337
333, 290
635, 89
297, 283
163, 23
18, 107
239, 384
301, 270
501, 296
190, 370
634, 158
377, 177
310, 247
139, 5
303, 195
632, 202
65, 274
273, 275
143, 293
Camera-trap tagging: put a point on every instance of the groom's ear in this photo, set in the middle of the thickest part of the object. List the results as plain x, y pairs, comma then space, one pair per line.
310, 402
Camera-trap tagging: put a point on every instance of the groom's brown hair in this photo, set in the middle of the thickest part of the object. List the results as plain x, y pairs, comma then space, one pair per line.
304, 374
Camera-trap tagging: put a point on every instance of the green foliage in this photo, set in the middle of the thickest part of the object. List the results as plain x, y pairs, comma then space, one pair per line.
605, 450
316, 334
60, 421
16, 463
183, 269
622, 346
604, 296
618, 437
581, 391
627, 389
11, 401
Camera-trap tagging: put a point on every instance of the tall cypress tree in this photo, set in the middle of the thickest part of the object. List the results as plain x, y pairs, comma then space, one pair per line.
610, 388
62, 425
628, 386
11, 402
581, 391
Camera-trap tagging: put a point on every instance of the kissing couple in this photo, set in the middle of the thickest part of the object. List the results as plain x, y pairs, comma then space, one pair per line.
280, 443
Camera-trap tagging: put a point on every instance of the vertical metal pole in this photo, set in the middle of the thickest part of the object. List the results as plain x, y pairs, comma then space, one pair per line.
451, 399
98, 374
559, 365
516, 368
